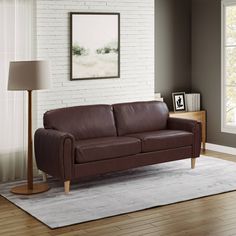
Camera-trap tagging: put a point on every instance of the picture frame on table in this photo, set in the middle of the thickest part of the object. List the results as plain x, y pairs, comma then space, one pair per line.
179, 102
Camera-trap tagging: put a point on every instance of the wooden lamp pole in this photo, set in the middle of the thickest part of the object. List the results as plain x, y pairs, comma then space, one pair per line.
30, 143
30, 188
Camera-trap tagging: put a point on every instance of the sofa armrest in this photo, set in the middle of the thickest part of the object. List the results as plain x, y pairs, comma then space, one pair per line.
54, 152
192, 126
181, 124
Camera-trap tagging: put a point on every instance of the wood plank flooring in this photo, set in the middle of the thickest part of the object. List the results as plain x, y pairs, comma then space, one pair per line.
215, 215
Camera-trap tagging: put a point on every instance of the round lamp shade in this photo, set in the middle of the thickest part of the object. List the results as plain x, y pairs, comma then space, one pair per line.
28, 75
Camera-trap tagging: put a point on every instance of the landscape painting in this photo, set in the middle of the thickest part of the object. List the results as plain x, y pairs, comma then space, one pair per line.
95, 45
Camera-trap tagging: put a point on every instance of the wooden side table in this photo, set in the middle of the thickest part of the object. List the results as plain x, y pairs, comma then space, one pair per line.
194, 115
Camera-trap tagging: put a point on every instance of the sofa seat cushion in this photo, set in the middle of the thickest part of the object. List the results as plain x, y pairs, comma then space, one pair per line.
106, 148
164, 139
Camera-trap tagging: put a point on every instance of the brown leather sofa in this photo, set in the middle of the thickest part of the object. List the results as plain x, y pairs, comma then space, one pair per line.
90, 140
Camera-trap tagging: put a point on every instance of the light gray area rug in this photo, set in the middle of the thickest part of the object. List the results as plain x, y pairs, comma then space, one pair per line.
127, 191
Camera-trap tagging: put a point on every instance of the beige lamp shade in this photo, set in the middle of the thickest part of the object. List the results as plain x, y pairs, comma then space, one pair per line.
28, 75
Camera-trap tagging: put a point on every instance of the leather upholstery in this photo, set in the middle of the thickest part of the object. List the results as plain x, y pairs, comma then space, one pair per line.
197, 140
106, 148
54, 152
181, 124
123, 163
140, 117
89, 140
190, 126
83, 122
164, 139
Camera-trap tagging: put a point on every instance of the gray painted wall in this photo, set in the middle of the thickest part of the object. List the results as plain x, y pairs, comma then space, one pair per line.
172, 47
188, 57
206, 66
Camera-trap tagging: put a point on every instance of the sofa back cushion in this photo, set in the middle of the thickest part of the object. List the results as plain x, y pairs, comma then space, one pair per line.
83, 122
139, 117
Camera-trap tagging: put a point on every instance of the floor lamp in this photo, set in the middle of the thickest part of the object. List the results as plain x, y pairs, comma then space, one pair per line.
29, 76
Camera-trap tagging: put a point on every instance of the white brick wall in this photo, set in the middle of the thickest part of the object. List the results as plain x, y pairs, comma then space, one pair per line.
137, 54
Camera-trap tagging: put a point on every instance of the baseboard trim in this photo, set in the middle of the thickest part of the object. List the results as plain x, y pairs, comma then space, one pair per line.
221, 148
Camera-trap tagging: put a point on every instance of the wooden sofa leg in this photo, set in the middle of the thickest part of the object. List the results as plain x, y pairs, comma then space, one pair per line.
44, 177
193, 161
67, 186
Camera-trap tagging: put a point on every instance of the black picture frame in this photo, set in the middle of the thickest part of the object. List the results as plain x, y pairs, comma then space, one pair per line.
179, 103
72, 74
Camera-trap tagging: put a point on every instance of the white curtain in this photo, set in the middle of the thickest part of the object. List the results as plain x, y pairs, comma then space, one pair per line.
17, 42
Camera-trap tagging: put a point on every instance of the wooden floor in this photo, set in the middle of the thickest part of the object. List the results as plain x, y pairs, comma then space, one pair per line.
214, 216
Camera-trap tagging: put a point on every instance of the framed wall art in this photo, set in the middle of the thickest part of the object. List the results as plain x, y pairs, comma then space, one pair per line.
95, 45
179, 101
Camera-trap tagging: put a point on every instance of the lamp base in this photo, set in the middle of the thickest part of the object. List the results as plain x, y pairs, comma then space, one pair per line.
24, 190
